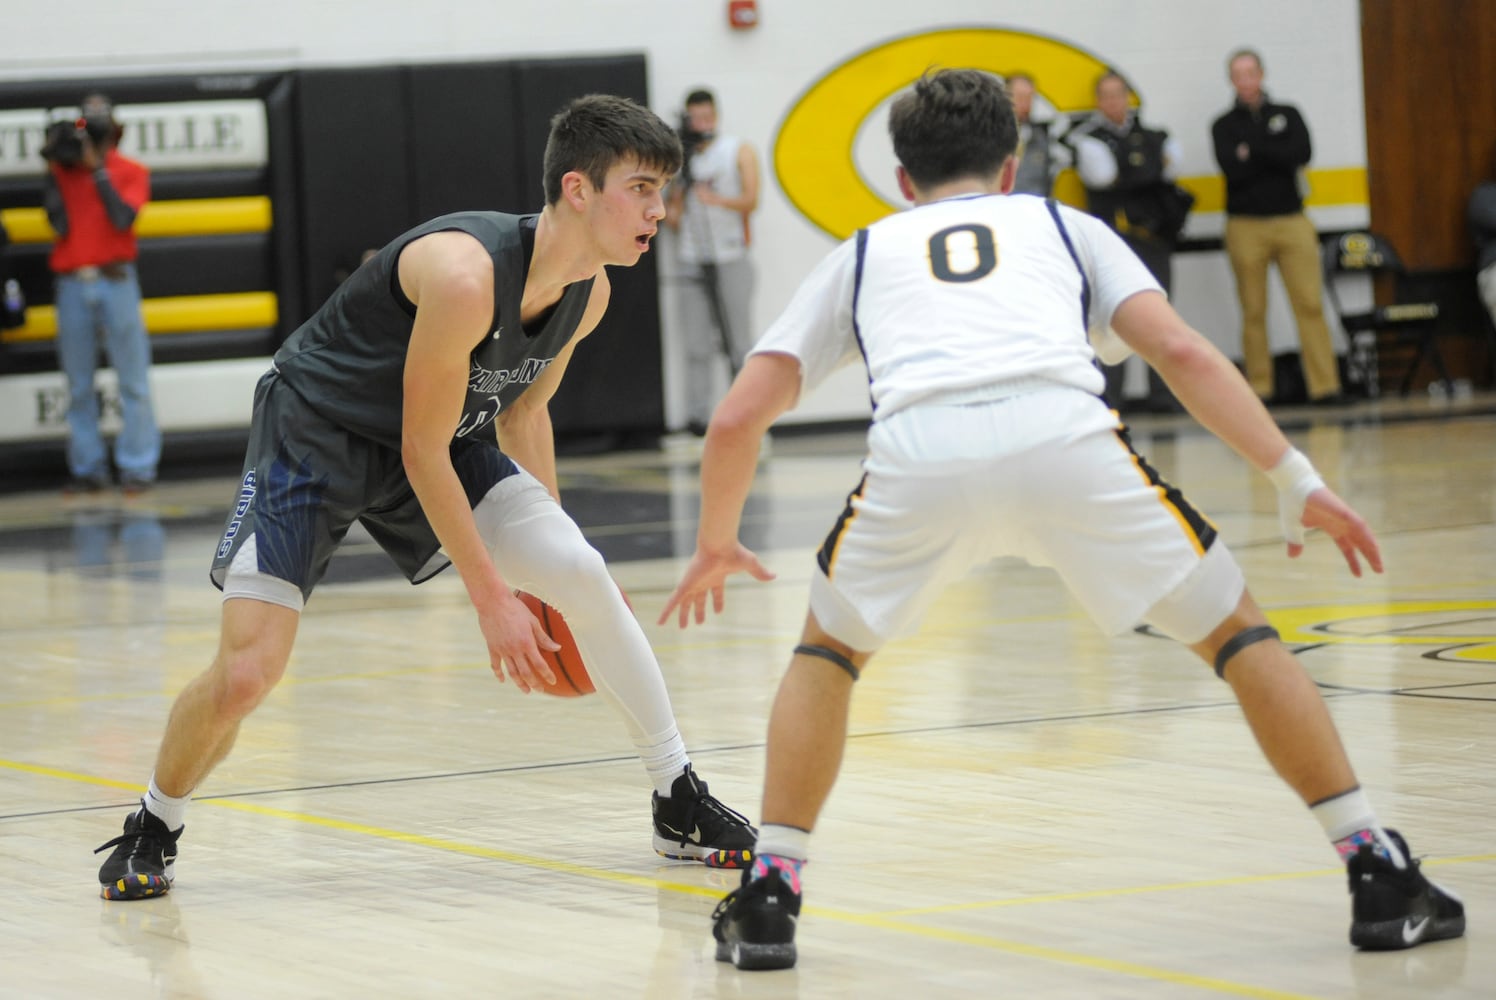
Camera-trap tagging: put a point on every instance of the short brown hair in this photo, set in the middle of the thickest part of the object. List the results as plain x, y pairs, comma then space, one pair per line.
593, 133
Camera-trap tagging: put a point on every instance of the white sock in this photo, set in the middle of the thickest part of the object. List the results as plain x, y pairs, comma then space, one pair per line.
1349, 821
168, 810
783, 841
664, 756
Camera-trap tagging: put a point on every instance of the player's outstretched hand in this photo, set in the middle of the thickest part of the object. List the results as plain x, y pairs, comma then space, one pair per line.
706, 575
1332, 515
515, 638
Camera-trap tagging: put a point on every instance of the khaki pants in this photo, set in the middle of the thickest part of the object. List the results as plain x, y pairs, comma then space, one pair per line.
1290, 241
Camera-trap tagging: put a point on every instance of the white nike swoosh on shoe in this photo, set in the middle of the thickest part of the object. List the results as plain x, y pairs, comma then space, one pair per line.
1413, 932
695, 837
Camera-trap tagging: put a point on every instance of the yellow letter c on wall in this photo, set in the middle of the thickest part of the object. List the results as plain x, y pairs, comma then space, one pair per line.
813, 153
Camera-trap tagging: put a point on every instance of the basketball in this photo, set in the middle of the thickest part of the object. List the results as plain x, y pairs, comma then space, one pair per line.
571, 675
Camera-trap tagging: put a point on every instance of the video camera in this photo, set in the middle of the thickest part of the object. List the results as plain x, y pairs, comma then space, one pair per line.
65, 139
690, 138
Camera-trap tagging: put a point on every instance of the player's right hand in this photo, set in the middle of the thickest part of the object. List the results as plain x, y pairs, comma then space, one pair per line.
705, 575
515, 638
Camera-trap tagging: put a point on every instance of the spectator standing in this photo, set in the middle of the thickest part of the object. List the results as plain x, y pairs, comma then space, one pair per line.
1483, 229
1042, 153
711, 206
1261, 146
1128, 170
93, 196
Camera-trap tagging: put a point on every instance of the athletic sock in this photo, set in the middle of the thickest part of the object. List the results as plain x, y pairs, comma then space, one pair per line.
171, 811
1349, 822
664, 756
783, 849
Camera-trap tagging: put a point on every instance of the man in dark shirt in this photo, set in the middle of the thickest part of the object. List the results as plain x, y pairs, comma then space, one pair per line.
1261, 146
386, 408
1483, 230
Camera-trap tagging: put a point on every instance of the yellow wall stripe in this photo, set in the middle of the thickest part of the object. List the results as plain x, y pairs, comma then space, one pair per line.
188, 217
176, 314
1330, 186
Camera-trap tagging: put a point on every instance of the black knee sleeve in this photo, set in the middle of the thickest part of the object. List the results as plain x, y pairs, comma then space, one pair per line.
806, 649
1240, 641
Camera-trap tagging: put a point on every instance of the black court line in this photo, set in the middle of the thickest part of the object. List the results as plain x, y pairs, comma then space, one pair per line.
624, 758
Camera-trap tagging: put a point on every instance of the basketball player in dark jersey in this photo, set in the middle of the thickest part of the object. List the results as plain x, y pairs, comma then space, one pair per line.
415, 402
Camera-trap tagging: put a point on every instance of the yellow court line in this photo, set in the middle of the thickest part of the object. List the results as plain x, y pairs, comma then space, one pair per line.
1062, 957
1214, 883
877, 921
86, 779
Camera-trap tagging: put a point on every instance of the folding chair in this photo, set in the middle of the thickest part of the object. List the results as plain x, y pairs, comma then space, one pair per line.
1409, 324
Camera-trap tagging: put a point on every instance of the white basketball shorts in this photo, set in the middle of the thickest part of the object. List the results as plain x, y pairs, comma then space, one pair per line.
1049, 476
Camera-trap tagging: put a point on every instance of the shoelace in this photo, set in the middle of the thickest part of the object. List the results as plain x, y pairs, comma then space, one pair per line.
725, 904
148, 843
722, 813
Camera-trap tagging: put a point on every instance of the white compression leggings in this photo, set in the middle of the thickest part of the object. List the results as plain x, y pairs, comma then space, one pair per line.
539, 549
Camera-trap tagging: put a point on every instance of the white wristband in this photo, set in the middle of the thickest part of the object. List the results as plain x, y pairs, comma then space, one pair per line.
1295, 478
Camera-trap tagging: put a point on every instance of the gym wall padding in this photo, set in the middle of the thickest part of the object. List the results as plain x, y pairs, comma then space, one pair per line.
357, 155
211, 233
382, 149
615, 383
352, 173
464, 151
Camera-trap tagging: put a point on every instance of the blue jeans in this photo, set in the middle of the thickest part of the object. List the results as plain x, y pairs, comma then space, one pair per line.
87, 308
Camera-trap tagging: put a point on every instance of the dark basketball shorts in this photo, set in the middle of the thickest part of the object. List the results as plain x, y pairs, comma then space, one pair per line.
306, 481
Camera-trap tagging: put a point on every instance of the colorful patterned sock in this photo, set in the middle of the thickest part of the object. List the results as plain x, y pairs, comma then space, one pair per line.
788, 869
1346, 847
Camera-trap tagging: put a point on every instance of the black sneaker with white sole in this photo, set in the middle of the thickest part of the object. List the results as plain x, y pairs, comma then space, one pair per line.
691, 825
1394, 907
754, 925
143, 862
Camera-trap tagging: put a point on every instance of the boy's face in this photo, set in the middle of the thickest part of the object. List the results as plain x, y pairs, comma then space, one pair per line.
626, 213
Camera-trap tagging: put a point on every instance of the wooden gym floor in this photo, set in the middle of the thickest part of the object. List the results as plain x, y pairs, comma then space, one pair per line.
1028, 809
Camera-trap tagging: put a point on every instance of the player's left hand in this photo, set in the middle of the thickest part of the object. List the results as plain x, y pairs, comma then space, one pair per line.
1332, 515
707, 574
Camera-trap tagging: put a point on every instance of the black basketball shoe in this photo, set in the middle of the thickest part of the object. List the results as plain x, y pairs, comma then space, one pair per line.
755, 924
1395, 907
691, 825
143, 862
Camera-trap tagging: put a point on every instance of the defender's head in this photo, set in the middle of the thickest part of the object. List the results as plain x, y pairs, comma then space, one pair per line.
953, 124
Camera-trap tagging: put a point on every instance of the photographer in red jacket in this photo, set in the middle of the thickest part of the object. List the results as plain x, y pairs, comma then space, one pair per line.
93, 195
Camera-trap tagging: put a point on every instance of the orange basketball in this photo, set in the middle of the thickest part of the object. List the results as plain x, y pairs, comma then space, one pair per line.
572, 680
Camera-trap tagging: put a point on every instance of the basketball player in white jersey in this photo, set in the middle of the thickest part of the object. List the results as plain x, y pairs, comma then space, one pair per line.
971, 312
711, 208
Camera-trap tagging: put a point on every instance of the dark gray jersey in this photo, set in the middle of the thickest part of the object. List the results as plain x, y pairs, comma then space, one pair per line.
348, 360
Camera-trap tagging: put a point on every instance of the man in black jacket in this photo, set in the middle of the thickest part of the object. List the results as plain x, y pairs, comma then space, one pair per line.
1261, 146
1128, 170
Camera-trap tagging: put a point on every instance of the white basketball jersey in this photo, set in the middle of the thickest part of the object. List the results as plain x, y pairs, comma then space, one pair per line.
961, 294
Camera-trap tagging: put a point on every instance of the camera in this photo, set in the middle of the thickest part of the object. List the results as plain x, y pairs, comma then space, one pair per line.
65, 139
64, 145
690, 138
